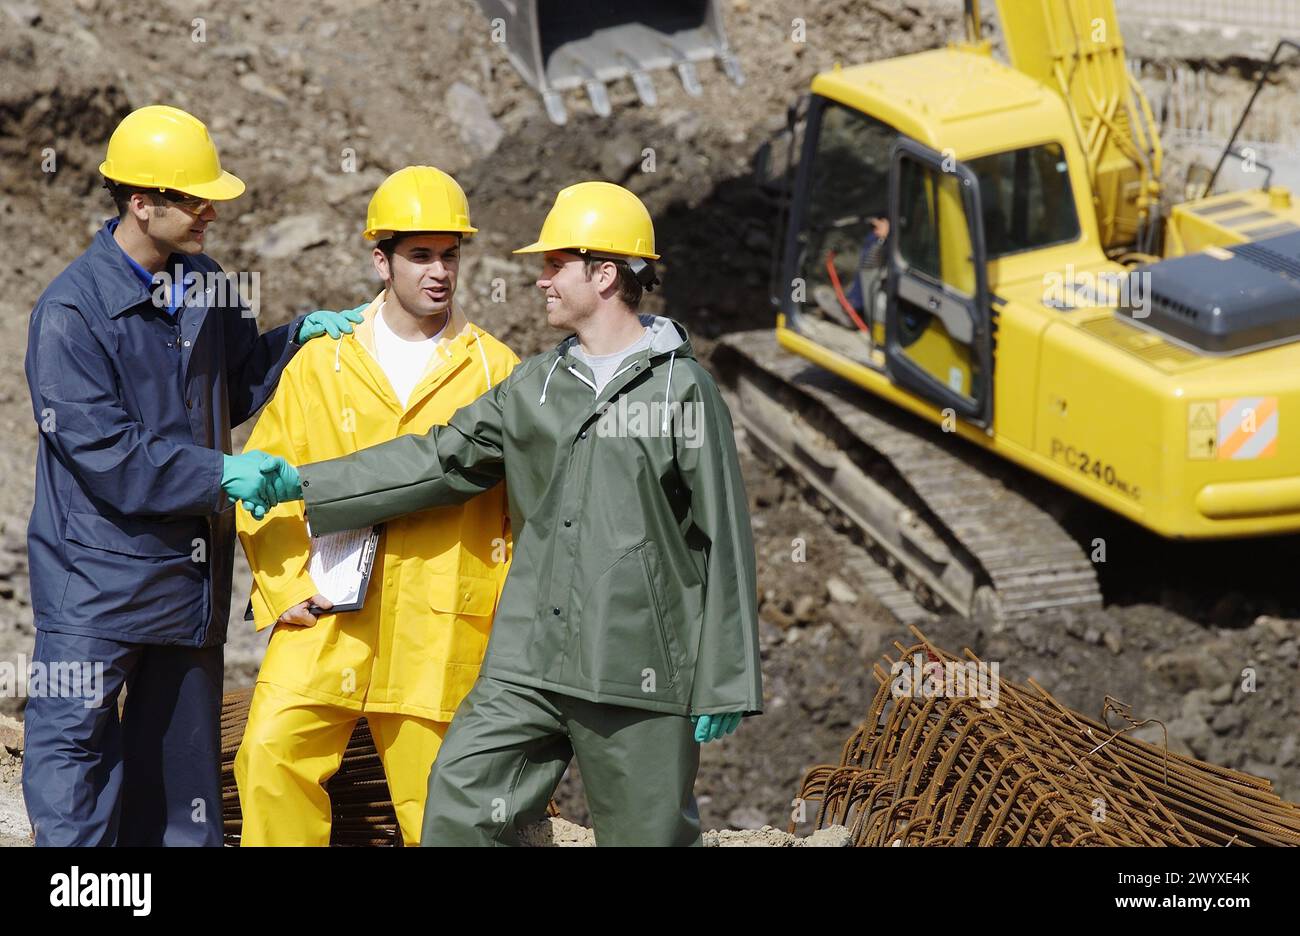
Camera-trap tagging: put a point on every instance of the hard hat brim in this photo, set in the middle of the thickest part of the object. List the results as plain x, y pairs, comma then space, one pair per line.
378, 234
542, 247
223, 188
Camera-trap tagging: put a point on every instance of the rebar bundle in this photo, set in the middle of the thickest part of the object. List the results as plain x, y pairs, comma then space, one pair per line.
944, 761
362, 806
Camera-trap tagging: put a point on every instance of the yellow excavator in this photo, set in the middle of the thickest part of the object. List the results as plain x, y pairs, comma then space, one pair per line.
982, 251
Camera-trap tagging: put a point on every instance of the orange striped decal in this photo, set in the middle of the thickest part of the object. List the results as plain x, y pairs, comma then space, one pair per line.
1248, 427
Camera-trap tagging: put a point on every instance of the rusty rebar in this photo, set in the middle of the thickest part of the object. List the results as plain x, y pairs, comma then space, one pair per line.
938, 769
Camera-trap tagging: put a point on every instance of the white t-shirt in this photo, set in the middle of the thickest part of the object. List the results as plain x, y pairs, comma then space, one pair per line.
403, 361
604, 366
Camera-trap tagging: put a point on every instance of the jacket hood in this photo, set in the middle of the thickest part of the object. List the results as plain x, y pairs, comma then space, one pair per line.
460, 332
669, 337
668, 341
456, 326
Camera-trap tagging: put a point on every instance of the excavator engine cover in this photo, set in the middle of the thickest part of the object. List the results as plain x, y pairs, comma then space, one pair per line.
1224, 300
559, 45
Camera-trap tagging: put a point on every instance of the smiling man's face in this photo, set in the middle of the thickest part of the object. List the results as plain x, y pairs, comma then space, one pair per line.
180, 231
571, 295
422, 272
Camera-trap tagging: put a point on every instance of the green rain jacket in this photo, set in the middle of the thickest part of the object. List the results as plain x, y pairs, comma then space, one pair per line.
632, 580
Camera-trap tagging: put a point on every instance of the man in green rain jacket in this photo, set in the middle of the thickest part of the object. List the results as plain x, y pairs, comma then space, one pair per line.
627, 629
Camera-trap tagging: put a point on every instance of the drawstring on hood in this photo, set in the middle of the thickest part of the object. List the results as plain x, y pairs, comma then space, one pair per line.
542, 399
668, 390
667, 338
487, 371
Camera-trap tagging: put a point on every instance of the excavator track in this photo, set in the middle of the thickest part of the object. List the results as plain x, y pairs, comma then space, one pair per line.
947, 516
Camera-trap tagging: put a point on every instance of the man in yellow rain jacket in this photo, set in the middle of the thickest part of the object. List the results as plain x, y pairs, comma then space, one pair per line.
412, 652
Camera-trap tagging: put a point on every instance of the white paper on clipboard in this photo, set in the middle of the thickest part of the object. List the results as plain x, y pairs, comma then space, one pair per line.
340, 566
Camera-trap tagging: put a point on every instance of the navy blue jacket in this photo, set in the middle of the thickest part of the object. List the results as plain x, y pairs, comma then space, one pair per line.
131, 537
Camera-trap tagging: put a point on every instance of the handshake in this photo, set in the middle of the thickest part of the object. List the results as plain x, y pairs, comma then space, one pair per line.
259, 481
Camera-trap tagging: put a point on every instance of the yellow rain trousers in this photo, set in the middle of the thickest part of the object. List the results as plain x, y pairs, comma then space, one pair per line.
408, 657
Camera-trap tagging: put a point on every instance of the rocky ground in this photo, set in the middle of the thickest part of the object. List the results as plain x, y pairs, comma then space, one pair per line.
313, 103
560, 833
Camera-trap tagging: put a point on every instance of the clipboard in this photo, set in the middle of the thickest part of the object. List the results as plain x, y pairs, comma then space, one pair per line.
340, 565
356, 574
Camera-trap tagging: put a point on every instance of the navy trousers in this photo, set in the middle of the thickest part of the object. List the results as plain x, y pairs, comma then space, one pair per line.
149, 777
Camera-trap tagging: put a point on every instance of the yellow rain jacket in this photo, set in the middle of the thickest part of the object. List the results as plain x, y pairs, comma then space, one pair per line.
416, 645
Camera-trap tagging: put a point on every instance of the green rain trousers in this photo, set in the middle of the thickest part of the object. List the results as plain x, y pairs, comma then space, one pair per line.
509, 745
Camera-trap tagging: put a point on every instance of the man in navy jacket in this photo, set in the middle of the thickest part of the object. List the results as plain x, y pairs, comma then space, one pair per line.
140, 358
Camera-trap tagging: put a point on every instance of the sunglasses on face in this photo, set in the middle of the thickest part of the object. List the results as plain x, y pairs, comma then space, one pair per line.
190, 204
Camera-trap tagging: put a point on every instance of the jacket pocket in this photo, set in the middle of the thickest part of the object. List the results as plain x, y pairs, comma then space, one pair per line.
462, 595
623, 636
131, 576
650, 562
130, 536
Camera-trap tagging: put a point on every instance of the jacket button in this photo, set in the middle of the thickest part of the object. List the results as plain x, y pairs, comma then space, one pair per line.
555, 611
568, 523
582, 434
187, 344
189, 404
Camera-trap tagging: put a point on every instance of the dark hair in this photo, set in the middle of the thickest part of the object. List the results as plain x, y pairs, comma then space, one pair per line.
629, 287
389, 244
121, 195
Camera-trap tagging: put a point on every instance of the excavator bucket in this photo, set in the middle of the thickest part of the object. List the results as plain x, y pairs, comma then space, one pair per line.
560, 45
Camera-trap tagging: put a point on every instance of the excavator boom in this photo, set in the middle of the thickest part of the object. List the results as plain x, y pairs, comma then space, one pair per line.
1075, 48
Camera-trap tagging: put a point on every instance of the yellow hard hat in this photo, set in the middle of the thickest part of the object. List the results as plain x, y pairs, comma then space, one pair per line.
164, 147
598, 216
418, 198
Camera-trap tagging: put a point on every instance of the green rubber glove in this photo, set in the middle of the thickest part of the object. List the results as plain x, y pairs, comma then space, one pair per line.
283, 478
712, 727
244, 482
325, 322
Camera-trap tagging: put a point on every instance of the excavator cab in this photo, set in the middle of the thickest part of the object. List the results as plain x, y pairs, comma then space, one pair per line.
937, 313
838, 234
886, 258
562, 45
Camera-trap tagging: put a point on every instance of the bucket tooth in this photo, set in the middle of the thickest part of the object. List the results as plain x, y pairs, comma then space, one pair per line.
645, 88
685, 69
690, 78
731, 67
641, 80
595, 87
555, 108
599, 96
